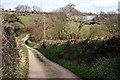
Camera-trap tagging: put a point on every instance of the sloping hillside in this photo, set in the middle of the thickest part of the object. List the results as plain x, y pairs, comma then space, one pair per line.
89, 59
76, 30
92, 31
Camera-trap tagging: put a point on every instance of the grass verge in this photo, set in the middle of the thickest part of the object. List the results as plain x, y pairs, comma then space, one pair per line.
24, 68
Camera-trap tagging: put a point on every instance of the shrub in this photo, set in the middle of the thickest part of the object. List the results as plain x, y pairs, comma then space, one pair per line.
10, 18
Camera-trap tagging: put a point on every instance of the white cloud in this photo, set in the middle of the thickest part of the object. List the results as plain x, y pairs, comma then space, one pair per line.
106, 3
10, 1
81, 5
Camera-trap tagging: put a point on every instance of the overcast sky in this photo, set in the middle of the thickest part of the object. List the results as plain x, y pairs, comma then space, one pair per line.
81, 5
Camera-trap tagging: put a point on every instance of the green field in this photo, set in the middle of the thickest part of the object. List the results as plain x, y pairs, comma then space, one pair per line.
77, 31
67, 30
70, 28
26, 20
87, 31
93, 31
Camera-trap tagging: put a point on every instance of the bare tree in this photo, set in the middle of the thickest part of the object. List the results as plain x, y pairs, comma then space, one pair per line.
36, 9
68, 9
23, 8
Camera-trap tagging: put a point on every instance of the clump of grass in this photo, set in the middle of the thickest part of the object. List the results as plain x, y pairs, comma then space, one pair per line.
21, 36
30, 43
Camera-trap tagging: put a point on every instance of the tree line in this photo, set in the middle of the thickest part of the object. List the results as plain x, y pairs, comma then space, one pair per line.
26, 8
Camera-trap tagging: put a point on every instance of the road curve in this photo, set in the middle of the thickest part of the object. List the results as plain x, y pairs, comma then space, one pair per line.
37, 68
41, 67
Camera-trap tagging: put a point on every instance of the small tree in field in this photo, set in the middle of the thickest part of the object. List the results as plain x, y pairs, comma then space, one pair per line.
57, 21
36, 32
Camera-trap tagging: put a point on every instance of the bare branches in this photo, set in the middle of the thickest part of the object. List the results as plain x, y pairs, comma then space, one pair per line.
23, 8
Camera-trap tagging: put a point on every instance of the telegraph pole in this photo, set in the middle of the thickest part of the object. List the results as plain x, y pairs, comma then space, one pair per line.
44, 33
44, 27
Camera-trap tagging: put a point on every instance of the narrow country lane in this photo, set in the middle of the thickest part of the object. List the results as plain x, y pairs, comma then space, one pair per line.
36, 68
41, 67
44, 68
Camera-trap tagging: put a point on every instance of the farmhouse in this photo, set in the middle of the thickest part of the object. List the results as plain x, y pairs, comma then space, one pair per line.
89, 19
